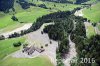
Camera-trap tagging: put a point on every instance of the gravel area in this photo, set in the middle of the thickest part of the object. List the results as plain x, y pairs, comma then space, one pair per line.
78, 13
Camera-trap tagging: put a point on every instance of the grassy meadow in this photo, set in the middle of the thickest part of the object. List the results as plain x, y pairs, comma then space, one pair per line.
93, 13
6, 46
38, 61
90, 31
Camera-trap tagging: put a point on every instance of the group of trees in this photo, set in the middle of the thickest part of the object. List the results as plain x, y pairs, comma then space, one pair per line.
43, 6
5, 5
14, 18
54, 32
14, 35
17, 44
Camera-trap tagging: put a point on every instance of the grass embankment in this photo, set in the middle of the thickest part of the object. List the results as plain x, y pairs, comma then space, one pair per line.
93, 13
90, 31
6, 46
38, 61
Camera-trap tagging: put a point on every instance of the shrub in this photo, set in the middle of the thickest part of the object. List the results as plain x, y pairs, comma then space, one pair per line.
17, 44
2, 37
14, 18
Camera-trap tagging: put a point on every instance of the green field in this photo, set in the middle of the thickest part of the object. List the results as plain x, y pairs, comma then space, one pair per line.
32, 14
90, 31
93, 13
38, 61
6, 46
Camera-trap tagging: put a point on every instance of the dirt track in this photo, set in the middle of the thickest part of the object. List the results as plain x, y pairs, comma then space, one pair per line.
25, 27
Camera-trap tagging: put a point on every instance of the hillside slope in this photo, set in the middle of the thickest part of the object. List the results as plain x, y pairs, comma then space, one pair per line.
29, 14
